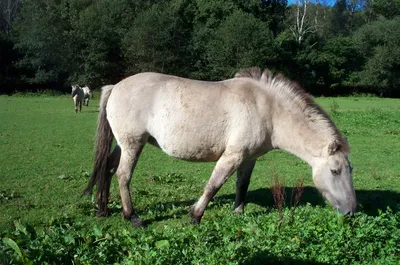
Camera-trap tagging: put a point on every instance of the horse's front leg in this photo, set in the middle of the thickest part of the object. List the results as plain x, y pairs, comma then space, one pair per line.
127, 163
224, 168
242, 184
75, 104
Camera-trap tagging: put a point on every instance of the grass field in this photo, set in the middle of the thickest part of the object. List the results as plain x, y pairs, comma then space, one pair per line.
47, 153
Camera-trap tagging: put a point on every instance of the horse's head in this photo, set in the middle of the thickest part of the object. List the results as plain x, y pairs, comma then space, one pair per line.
332, 177
74, 90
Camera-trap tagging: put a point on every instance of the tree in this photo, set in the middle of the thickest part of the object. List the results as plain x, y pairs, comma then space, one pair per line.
42, 36
97, 32
385, 8
347, 16
381, 72
272, 12
240, 41
8, 11
337, 60
158, 40
302, 24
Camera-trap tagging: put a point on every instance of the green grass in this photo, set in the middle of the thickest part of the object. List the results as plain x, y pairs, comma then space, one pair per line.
47, 153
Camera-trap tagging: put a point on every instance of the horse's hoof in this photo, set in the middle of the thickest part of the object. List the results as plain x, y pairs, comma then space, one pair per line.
194, 219
238, 211
137, 222
102, 213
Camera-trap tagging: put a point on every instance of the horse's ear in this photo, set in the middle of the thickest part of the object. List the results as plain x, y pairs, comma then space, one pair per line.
333, 147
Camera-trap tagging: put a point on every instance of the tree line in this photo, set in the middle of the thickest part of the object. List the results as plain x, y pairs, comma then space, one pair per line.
329, 47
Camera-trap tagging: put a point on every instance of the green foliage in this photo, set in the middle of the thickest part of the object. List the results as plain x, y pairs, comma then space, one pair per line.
388, 9
240, 41
96, 33
230, 240
9, 75
381, 46
338, 59
42, 33
158, 40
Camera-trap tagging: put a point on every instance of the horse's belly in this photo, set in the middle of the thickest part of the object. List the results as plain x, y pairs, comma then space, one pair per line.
189, 149
200, 155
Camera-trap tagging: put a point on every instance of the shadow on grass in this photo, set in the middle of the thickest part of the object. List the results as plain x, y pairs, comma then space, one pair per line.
369, 201
92, 111
262, 258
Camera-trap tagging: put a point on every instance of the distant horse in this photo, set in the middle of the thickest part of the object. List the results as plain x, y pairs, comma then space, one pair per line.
231, 122
78, 95
87, 95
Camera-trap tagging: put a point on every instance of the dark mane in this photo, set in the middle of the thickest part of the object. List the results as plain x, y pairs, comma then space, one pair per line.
252, 72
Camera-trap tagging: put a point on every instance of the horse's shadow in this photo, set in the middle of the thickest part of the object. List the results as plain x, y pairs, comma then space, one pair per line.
92, 111
370, 202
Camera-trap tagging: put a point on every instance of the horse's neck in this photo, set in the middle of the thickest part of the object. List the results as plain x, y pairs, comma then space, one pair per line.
294, 134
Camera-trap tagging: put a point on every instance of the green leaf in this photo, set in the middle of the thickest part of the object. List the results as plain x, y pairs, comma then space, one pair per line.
97, 231
11, 243
64, 176
162, 243
69, 239
20, 227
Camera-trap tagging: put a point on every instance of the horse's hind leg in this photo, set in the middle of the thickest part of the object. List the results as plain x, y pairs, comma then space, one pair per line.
224, 168
242, 184
127, 163
76, 104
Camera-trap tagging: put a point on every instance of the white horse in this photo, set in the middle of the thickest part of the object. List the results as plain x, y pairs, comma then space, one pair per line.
231, 122
78, 95
87, 95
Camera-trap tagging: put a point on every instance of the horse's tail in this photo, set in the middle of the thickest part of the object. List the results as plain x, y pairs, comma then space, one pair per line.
104, 138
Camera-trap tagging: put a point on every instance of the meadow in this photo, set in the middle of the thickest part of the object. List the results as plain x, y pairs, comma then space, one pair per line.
46, 157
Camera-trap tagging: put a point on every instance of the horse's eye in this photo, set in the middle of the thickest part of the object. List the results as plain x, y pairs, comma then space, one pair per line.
335, 172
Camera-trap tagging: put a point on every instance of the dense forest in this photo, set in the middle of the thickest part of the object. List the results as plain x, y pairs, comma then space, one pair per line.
329, 47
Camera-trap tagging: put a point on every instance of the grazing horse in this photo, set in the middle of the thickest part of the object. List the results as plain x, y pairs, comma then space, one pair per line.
79, 96
231, 122
87, 95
